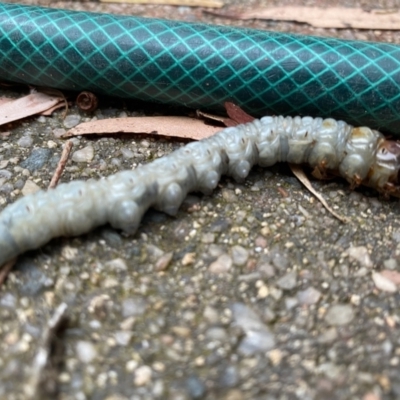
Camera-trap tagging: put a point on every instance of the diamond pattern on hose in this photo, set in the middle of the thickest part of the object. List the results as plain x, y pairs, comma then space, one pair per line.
202, 66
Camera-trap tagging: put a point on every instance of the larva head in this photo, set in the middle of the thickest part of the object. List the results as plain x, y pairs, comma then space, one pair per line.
384, 174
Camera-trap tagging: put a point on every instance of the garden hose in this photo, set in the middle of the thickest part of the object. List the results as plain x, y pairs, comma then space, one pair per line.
202, 66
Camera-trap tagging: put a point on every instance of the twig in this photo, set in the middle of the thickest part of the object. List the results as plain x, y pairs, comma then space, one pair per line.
6, 269
301, 176
61, 164
41, 359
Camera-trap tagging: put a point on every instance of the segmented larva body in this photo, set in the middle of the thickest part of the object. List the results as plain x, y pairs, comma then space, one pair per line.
360, 155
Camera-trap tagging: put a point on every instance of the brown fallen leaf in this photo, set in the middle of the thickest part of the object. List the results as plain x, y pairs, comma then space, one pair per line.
302, 177
226, 121
237, 114
26, 106
50, 111
331, 17
87, 101
4, 100
182, 127
187, 3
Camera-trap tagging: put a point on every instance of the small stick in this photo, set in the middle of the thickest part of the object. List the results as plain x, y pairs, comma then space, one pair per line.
6, 269
42, 356
61, 164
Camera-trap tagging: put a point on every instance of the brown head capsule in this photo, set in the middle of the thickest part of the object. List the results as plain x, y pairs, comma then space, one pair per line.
384, 173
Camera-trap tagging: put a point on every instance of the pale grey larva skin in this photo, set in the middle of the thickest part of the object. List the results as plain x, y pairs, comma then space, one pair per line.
122, 199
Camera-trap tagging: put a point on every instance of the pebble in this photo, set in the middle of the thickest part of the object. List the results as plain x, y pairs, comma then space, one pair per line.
211, 314
25, 141
154, 253
396, 235
229, 377
234, 394
127, 153
229, 196
123, 337
258, 338
216, 333
6, 188
37, 159
195, 387
390, 263
361, 255
288, 281
85, 351
328, 336
280, 261
239, 255
208, 238
142, 375
58, 132
339, 314
221, 265
133, 306
83, 155
291, 302
308, 296
188, 259
5, 175
8, 300
383, 283
29, 188
163, 262
71, 120
275, 356
117, 264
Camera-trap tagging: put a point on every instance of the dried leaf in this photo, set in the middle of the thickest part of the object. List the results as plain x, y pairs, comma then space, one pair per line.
331, 17
87, 101
237, 114
301, 176
183, 127
4, 100
187, 3
26, 106
218, 118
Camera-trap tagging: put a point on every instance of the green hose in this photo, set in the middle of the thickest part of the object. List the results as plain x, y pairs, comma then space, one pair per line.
202, 66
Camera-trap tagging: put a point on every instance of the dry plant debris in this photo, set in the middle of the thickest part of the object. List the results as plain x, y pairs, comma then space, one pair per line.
332, 17
182, 127
187, 3
298, 172
61, 164
32, 104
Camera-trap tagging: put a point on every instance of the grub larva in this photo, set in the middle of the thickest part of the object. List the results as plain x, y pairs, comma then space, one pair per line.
360, 155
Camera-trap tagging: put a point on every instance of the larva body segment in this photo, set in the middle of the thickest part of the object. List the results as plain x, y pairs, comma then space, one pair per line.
360, 155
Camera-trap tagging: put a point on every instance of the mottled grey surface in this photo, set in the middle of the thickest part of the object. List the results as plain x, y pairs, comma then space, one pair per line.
297, 311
